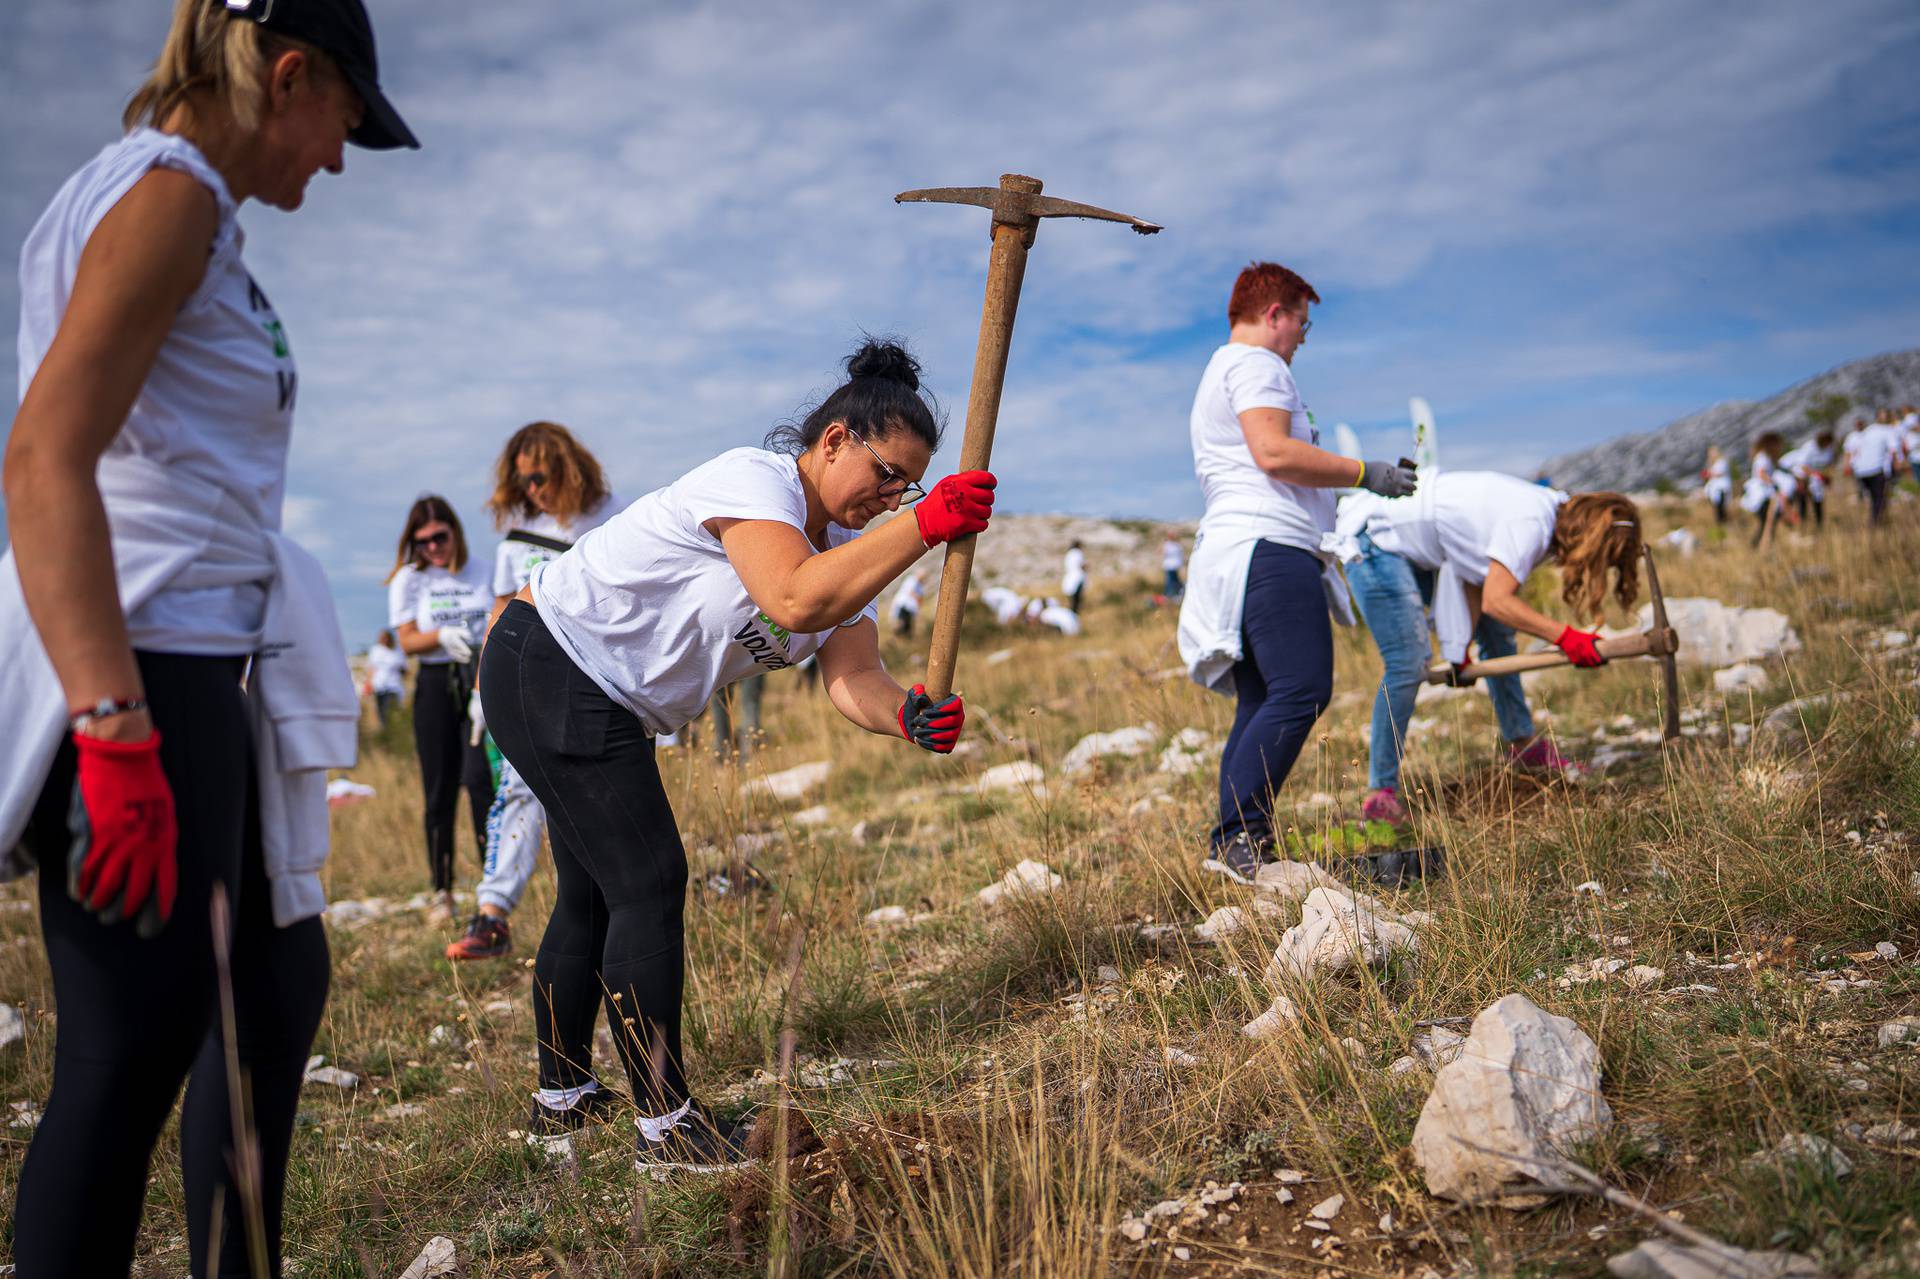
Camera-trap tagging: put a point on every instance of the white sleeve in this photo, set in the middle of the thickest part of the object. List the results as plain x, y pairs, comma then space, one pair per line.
403, 597
1520, 542
746, 484
1254, 382
505, 580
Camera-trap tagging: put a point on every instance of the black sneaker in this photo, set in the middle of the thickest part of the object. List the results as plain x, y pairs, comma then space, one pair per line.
545, 1121
1240, 859
486, 938
700, 1142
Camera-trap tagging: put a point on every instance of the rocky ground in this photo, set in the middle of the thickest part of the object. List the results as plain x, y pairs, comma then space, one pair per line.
1660, 1020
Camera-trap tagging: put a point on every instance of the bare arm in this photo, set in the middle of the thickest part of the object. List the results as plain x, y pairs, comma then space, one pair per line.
857, 683
1500, 598
1270, 439
808, 591
140, 266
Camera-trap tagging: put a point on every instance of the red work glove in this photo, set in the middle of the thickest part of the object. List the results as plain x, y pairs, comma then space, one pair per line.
958, 505
1581, 647
931, 725
122, 862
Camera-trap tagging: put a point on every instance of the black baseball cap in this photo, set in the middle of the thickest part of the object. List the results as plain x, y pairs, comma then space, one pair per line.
342, 30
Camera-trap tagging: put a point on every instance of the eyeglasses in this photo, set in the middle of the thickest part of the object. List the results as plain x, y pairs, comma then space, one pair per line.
432, 540
892, 483
533, 480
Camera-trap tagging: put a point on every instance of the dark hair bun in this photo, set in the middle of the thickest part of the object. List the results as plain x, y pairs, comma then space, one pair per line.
885, 360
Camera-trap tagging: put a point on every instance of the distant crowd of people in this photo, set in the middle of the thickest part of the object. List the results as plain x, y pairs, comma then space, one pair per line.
1790, 485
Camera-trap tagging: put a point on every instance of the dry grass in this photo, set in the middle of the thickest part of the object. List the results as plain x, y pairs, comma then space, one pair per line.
1006, 1108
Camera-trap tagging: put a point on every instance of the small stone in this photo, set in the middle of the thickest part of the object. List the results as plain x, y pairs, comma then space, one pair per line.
1893, 1133
332, 1076
436, 1261
1290, 1176
887, 917
1329, 1208
1805, 1148
1665, 1259
1028, 879
1280, 1017
12, 1025
1402, 1066
1221, 924
1901, 1030
1641, 976
1180, 1059
818, 815
1887, 951
1592, 888
1284, 1195
1108, 974
1387, 1223
1311, 1224
1133, 1228
1183, 1254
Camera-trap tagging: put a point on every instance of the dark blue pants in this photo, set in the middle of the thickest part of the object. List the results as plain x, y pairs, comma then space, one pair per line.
1283, 681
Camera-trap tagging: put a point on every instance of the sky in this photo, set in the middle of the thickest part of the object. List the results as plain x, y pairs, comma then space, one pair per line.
665, 225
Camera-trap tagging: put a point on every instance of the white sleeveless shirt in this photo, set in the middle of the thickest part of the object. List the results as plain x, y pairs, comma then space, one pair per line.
218, 402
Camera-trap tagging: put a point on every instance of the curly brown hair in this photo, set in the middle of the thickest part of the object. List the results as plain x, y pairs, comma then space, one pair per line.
573, 475
1595, 532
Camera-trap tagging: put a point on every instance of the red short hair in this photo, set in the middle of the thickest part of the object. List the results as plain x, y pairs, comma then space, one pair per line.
1261, 285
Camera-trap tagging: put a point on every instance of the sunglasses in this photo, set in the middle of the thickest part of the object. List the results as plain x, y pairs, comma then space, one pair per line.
892, 483
432, 540
533, 480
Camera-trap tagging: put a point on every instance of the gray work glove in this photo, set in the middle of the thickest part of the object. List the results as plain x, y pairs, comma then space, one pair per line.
1388, 479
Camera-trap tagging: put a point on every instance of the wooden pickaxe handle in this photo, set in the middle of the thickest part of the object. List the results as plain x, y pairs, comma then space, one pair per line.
1646, 644
1005, 271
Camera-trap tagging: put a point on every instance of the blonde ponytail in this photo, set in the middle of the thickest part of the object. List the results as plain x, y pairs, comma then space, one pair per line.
208, 48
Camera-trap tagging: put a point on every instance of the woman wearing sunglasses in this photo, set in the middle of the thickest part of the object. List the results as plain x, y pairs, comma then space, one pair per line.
144, 480
437, 603
746, 564
548, 491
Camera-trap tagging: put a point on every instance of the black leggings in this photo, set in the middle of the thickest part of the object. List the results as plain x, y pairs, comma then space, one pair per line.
617, 929
1876, 486
448, 764
135, 1017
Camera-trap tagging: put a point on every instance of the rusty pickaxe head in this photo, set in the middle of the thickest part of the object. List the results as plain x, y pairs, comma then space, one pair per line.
1017, 202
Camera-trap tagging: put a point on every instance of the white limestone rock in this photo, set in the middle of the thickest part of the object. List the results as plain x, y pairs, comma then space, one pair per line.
318, 1072
1281, 1016
1901, 1030
1128, 742
791, 783
438, 1260
1526, 1083
1189, 750
1293, 880
888, 917
1222, 924
1743, 677
1028, 879
12, 1025
1661, 1258
818, 815
1716, 634
1804, 1148
1338, 929
1021, 774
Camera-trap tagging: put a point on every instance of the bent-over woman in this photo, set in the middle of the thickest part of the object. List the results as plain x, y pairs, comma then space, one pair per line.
1463, 545
746, 564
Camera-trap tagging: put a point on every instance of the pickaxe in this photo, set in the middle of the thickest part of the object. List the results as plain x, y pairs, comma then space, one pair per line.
1658, 641
1017, 207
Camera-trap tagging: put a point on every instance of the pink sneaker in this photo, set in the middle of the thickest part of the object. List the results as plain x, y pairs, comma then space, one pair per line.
1384, 806
1539, 755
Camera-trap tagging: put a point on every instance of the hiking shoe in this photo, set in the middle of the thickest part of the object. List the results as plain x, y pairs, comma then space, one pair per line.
1539, 755
545, 1121
487, 938
700, 1142
1384, 806
1240, 859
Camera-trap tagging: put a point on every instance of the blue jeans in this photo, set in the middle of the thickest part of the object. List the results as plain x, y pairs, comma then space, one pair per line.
1393, 596
1283, 682
1173, 589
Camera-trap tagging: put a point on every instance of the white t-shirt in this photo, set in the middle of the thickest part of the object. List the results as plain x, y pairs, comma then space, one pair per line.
907, 598
1073, 574
436, 599
1876, 448
386, 669
1910, 435
514, 561
1171, 556
649, 606
217, 403
1241, 377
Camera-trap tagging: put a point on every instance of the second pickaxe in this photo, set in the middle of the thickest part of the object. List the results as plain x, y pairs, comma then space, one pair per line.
1017, 208
1659, 641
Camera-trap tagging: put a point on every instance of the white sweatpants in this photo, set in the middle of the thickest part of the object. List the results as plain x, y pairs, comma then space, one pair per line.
515, 822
